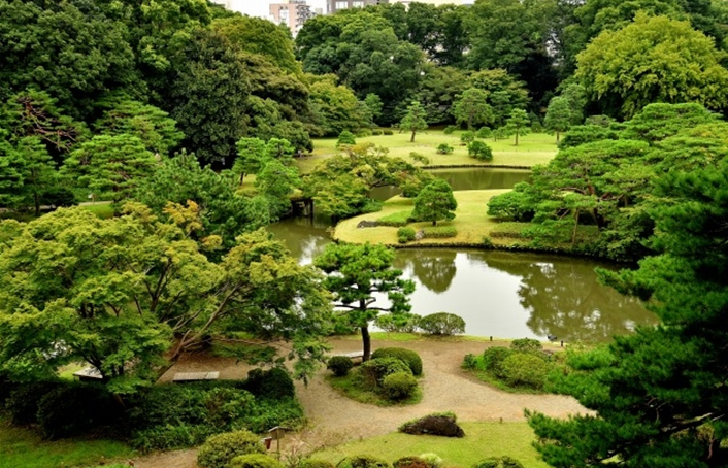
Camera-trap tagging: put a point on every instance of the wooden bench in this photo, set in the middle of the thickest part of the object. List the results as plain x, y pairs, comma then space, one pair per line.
195, 376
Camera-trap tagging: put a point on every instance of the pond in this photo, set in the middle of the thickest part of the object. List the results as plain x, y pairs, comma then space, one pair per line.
499, 294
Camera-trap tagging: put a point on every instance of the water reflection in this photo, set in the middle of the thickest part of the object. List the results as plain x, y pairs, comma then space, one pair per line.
433, 268
305, 237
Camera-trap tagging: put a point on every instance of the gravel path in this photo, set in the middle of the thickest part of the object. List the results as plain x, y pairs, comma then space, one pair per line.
334, 419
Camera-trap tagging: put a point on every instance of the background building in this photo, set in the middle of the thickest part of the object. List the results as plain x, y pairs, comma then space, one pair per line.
226, 3
293, 13
336, 5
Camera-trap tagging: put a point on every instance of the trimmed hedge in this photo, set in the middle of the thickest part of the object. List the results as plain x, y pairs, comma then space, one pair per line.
442, 323
439, 232
409, 357
254, 461
406, 234
449, 130
440, 424
493, 358
363, 461
483, 132
502, 462
340, 365
219, 450
375, 370
273, 383
526, 345
444, 148
399, 385
311, 463
401, 323
525, 370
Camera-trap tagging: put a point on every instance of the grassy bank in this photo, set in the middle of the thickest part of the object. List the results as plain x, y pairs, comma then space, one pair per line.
482, 440
536, 148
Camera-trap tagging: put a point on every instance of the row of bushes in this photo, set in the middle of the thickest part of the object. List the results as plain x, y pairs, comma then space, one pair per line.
408, 234
438, 323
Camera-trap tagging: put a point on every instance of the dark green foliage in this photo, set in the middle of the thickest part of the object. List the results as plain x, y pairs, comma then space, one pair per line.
435, 202
22, 404
346, 138
467, 137
340, 365
444, 148
501, 462
313, 463
171, 437
219, 450
493, 358
399, 385
581, 134
274, 383
439, 232
375, 370
484, 132
362, 461
525, 370
411, 358
388, 131
411, 462
442, 323
439, 424
480, 150
254, 461
74, 410
526, 345
406, 234
399, 323
470, 362
516, 204
449, 130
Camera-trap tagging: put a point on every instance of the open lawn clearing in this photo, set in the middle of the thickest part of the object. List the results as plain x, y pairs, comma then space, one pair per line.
482, 440
471, 222
23, 448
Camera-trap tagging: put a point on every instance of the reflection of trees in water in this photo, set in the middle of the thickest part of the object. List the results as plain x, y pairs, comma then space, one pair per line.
481, 179
305, 237
564, 298
434, 268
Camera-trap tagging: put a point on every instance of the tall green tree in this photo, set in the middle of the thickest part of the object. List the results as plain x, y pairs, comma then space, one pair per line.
251, 156
356, 274
518, 123
472, 108
277, 182
435, 202
414, 120
38, 173
558, 116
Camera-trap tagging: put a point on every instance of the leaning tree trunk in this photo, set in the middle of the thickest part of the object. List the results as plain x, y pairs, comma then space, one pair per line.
366, 342
412, 138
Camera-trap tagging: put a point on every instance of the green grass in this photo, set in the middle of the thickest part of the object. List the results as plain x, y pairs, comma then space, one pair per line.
350, 385
23, 448
396, 219
536, 148
66, 372
482, 440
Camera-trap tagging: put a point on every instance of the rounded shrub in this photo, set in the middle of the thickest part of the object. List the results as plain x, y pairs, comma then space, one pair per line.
399, 385
375, 370
274, 383
313, 463
449, 130
493, 358
388, 131
469, 362
480, 150
526, 345
467, 137
498, 462
411, 462
483, 132
340, 365
444, 148
406, 234
440, 424
22, 404
525, 370
346, 138
411, 358
363, 461
433, 461
255, 460
219, 450
442, 323
399, 323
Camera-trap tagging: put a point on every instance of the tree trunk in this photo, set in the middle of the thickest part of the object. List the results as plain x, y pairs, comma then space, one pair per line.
412, 138
36, 199
434, 222
557, 136
366, 342
576, 223
516, 137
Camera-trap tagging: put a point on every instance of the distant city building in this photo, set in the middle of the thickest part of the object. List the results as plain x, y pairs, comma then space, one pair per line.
433, 2
336, 5
226, 3
293, 13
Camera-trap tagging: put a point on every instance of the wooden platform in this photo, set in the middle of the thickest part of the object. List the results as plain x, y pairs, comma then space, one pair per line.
88, 373
193, 376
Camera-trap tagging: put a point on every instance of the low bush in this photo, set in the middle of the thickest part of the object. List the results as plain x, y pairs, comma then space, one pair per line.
375, 370
525, 370
267, 413
433, 461
526, 345
340, 365
219, 450
442, 323
411, 358
254, 461
406, 234
444, 148
363, 461
411, 462
502, 462
399, 385
440, 232
493, 358
449, 130
480, 150
470, 362
399, 323
419, 158
396, 219
170, 437
363, 133
312, 463
346, 138
22, 404
377, 132
466, 137
75, 409
440, 424
388, 132
483, 132
272, 383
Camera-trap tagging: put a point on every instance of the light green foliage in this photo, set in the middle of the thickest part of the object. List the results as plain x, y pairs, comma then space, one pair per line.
414, 120
375, 370
499, 462
374, 104
442, 323
219, 450
396, 219
406, 234
439, 232
27, 174
109, 165
483, 132
518, 123
516, 204
397, 323
444, 148
480, 150
337, 109
435, 202
346, 138
558, 116
472, 108
277, 182
575, 95
411, 358
254, 461
251, 156
684, 65
505, 92
467, 137
362, 270
399, 385
419, 158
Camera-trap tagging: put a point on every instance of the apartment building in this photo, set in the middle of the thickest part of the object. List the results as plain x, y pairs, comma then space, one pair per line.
293, 13
336, 5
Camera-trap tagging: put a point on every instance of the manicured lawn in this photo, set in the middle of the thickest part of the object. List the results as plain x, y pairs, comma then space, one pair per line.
536, 148
22, 448
482, 440
472, 222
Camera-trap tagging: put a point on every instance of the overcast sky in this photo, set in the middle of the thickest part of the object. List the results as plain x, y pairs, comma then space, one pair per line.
260, 7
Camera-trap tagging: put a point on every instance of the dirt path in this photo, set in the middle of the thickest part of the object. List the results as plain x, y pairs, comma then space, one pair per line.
334, 419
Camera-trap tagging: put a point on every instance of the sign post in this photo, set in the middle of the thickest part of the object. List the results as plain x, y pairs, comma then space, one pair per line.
277, 433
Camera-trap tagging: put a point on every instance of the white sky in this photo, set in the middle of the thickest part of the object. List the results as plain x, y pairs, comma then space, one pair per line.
260, 7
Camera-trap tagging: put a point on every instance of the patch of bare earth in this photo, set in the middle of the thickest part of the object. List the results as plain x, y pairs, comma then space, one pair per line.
333, 419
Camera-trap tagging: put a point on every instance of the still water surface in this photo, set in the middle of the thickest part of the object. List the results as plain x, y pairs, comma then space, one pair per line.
499, 294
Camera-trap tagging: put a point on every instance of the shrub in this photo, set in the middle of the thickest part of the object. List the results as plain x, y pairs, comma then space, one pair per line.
409, 357
480, 150
219, 450
442, 323
400, 323
272, 383
270, 413
375, 370
74, 409
440, 232
525, 370
433, 461
467, 137
254, 461
170, 437
363, 461
346, 138
483, 132
22, 404
57, 197
406, 234
396, 219
469, 362
388, 132
419, 158
340, 365
493, 358
311, 463
411, 462
441, 424
444, 148
377, 132
399, 385
449, 130
526, 345
363, 132
502, 462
